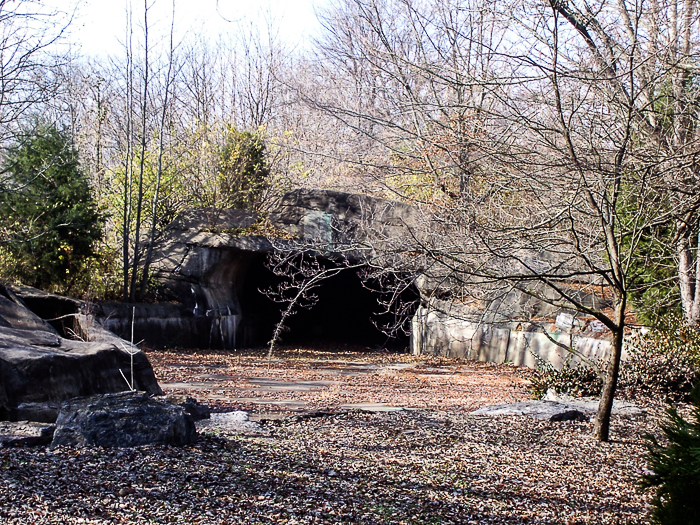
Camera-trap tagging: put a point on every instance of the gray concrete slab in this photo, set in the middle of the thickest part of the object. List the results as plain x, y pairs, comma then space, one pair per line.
374, 407
267, 384
189, 385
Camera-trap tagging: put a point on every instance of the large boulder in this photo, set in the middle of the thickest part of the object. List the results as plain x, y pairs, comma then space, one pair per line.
39, 369
14, 314
123, 420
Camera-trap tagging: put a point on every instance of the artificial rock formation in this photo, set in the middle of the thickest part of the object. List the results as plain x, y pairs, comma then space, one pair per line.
455, 330
40, 369
207, 259
210, 266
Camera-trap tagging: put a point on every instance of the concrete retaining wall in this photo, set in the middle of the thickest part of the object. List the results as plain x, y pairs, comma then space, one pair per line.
436, 332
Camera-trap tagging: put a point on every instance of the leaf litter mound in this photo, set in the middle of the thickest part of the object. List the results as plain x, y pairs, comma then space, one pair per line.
434, 464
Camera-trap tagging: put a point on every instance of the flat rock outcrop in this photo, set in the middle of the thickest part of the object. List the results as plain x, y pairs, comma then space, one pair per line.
558, 407
39, 369
25, 433
123, 420
549, 410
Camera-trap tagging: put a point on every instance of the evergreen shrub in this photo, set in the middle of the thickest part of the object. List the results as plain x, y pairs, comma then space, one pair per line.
49, 221
674, 468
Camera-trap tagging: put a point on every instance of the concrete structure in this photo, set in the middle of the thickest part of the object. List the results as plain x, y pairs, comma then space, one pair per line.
210, 264
447, 329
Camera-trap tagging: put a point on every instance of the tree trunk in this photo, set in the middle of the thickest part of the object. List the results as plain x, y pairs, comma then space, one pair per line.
687, 278
126, 218
129, 160
142, 160
602, 422
161, 147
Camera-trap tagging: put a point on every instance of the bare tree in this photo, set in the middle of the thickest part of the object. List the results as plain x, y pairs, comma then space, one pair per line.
143, 87
301, 273
536, 137
153, 124
165, 108
29, 33
261, 56
29, 60
144, 107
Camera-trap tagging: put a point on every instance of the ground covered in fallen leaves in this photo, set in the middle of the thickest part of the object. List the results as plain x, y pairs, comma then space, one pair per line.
316, 459
314, 379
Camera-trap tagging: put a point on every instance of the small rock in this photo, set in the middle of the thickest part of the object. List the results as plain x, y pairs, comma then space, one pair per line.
194, 408
569, 415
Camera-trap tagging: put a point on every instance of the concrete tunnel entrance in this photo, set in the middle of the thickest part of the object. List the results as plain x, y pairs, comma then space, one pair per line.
345, 313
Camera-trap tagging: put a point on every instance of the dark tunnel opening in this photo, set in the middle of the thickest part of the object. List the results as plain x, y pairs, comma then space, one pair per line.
345, 313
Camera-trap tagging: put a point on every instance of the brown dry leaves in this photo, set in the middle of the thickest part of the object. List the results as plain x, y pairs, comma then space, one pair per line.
434, 465
232, 379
